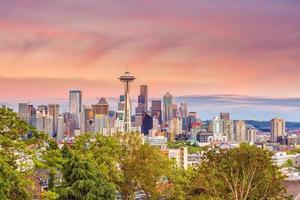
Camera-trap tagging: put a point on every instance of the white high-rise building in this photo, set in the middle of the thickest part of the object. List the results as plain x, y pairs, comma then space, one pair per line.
61, 128
175, 126
240, 131
44, 123
251, 134
167, 104
75, 105
217, 125
101, 123
23, 112
277, 129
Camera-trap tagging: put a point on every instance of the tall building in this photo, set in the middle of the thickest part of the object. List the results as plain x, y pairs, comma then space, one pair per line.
167, 104
156, 110
175, 128
88, 119
60, 128
142, 100
147, 124
127, 79
143, 97
183, 113
54, 112
277, 129
23, 112
240, 131
140, 109
42, 109
228, 129
101, 123
121, 103
75, 101
251, 134
191, 118
174, 111
44, 123
31, 113
101, 108
217, 125
224, 116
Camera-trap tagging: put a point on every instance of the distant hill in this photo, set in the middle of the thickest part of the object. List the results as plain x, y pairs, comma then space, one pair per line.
266, 124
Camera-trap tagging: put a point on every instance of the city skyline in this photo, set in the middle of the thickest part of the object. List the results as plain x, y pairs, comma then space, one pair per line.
195, 48
206, 106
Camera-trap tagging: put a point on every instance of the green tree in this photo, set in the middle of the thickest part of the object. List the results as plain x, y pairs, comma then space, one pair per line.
144, 168
14, 156
82, 181
240, 173
65, 151
49, 195
289, 163
105, 151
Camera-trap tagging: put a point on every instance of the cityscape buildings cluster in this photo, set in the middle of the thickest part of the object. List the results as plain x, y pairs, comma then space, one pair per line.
160, 122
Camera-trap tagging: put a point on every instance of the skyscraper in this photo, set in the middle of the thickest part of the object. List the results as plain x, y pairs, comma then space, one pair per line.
142, 100
251, 134
42, 109
54, 112
225, 116
44, 123
147, 124
167, 100
143, 97
156, 110
23, 112
101, 107
277, 129
127, 79
228, 129
191, 118
75, 101
183, 113
240, 131
173, 111
121, 103
88, 119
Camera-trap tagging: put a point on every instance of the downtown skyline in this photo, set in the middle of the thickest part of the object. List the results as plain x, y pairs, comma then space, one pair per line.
198, 51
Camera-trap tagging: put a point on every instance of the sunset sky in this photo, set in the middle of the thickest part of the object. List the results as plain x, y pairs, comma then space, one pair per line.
245, 49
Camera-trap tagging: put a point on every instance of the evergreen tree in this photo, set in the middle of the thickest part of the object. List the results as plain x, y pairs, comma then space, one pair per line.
83, 182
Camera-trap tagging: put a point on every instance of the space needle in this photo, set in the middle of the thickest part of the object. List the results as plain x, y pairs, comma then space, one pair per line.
127, 78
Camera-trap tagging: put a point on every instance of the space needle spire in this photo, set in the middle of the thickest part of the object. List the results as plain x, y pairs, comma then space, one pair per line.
127, 78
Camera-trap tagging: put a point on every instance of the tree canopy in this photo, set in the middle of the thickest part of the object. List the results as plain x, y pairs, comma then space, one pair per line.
99, 167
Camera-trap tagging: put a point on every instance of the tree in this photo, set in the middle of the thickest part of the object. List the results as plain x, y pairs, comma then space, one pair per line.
240, 173
14, 156
144, 169
289, 163
104, 151
82, 181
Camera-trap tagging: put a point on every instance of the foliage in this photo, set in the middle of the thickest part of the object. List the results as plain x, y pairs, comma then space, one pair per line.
14, 156
144, 168
104, 151
97, 166
293, 151
192, 148
240, 173
289, 163
83, 181
49, 195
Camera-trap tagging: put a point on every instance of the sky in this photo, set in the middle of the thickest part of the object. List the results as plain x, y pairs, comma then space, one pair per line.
238, 56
